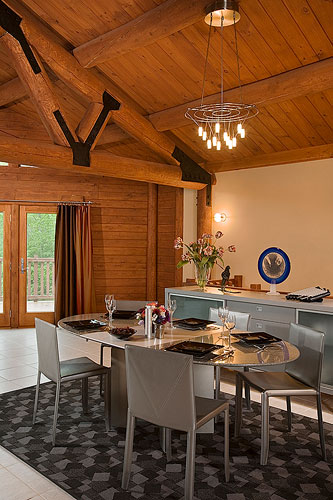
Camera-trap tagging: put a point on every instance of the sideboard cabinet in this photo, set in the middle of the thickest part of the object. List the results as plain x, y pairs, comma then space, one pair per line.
272, 314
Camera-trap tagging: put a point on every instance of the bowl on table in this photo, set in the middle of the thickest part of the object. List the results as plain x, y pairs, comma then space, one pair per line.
122, 333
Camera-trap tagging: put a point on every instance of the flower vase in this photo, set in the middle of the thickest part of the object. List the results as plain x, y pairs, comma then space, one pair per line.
202, 276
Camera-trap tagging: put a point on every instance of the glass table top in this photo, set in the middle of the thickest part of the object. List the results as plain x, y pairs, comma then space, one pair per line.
240, 355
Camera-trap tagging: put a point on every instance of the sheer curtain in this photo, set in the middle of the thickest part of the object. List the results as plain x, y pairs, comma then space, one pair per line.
74, 287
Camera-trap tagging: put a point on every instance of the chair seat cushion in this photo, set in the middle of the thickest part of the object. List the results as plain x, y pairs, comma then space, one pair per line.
273, 381
79, 366
207, 408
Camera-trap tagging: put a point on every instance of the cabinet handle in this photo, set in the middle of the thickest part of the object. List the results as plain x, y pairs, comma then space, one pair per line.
259, 325
259, 308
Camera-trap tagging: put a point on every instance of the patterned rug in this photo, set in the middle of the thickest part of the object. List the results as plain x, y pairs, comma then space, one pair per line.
87, 462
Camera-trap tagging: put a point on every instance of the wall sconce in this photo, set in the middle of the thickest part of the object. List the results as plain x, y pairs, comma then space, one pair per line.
220, 217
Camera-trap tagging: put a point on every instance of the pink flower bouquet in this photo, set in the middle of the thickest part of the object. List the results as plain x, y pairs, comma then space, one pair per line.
160, 315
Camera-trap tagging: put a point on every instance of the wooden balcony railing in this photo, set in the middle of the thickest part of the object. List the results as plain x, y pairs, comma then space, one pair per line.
40, 278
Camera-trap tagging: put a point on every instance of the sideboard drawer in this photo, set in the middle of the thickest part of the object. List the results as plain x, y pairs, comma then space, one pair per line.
281, 330
263, 311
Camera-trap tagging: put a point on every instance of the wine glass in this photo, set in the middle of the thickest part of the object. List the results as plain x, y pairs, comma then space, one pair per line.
230, 324
111, 305
172, 306
222, 313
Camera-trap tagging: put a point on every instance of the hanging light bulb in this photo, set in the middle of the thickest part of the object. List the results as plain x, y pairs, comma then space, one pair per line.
217, 127
204, 135
200, 130
225, 136
234, 142
230, 144
218, 145
239, 128
214, 140
242, 133
209, 144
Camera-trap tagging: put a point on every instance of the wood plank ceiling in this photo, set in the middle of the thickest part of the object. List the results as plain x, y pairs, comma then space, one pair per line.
275, 37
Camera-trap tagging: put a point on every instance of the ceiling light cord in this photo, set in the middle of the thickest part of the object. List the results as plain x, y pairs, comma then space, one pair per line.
206, 59
238, 65
222, 22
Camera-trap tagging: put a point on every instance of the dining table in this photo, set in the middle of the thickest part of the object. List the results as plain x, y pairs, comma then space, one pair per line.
241, 355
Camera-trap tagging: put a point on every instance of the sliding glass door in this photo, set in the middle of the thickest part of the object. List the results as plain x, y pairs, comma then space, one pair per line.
5, 265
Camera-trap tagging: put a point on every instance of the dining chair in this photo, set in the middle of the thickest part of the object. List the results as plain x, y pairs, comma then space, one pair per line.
301, 378
122, 305
161, 391
242, 323
62, 371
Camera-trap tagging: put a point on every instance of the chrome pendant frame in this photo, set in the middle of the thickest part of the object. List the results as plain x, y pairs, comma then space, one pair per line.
218, 122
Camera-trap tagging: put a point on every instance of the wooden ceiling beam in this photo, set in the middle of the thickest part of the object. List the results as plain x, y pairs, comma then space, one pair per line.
102, 163
15, 90
85, 81
278, 158
93, 124
80, 79
54, 40
12, 91
38, 87
315, 77
112, 133
157, 142
160, 22
88, 121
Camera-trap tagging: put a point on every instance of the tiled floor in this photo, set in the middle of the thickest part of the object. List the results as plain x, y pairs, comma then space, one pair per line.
18, 368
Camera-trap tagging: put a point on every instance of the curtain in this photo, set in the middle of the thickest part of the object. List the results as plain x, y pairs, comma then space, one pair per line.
74, 287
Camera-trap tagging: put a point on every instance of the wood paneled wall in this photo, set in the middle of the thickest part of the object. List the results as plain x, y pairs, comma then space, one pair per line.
121, 223
170, 225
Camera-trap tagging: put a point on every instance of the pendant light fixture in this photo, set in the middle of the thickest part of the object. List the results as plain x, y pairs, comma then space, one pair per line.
222, 124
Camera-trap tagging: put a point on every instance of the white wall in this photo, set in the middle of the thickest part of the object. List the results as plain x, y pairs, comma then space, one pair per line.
287, 206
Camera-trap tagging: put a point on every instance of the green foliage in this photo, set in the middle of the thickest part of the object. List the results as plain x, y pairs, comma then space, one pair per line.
181, 264
40, 243
1, 251
40, 235
1, 234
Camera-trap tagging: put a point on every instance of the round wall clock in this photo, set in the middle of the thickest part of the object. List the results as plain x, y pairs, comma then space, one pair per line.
274, 267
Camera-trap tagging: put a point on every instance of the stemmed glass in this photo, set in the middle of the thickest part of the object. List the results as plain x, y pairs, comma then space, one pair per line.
222, 314
111, 305
172, 306
230, 324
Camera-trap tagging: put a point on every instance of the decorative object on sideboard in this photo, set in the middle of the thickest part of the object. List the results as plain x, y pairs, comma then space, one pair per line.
274, 267
238, 280
225, 277
222, 121
227, 281
311, 294
255, 286
204, 254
